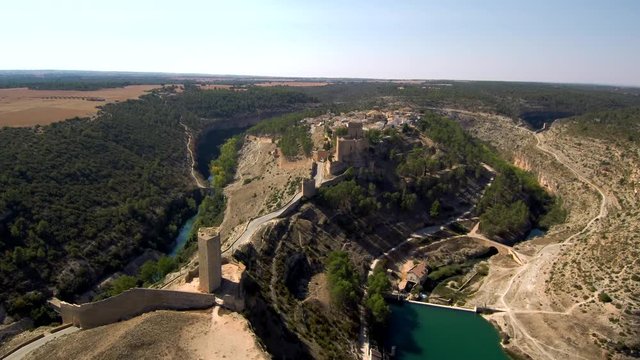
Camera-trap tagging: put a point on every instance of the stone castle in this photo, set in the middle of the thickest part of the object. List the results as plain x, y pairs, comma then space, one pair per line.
349, 149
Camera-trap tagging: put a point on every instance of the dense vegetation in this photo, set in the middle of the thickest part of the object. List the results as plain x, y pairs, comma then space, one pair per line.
350, 196
225, 103
534, 102
292, 135
616, 125
223, 168
515, 202
79, 199
429, 179
344, 282
378, 285
76, 80
151, 272
211, 210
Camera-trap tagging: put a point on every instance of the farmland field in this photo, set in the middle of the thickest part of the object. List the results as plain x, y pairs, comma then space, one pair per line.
25, 107
292, 83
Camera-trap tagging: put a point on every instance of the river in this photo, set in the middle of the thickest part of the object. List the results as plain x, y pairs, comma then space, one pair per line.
207, 149
183, 236
534, 233
425, 332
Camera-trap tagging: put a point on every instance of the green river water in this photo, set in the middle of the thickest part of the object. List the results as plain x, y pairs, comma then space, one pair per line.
425, 332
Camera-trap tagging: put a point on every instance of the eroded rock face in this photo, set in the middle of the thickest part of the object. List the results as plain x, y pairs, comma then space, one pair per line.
291, 320
297, 274
547, 182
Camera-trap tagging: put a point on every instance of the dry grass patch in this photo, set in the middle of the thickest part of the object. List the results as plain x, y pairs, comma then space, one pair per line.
25, 107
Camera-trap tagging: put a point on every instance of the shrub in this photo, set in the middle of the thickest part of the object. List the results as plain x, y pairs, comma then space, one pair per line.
604, 297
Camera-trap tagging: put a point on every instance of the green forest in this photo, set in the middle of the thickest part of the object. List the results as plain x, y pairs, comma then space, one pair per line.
293, 137
619, 126
429, 180
80, 198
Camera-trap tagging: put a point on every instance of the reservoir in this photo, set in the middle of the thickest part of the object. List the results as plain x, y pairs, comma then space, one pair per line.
425, 332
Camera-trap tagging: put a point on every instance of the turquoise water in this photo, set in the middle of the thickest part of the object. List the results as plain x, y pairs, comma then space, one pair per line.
183, 235
535, 232
425, 332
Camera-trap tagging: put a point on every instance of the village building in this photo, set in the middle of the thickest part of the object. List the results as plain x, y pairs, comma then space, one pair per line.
418, 273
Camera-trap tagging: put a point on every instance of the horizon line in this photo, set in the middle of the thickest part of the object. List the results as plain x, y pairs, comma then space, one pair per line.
250, 76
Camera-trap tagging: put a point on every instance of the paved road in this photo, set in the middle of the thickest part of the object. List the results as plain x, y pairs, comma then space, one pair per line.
36, 344
256, 223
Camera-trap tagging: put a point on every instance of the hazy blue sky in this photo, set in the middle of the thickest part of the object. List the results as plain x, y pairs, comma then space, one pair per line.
541, 40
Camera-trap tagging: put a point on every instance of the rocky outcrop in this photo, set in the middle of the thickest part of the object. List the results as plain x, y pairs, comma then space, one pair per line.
522, 162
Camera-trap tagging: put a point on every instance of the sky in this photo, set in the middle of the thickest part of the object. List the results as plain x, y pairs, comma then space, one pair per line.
572, 41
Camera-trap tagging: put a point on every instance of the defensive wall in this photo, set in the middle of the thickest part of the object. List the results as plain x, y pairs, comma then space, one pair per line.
131, 303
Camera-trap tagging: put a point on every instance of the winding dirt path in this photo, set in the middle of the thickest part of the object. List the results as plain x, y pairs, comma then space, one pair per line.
510, 311
545, 255
195, 177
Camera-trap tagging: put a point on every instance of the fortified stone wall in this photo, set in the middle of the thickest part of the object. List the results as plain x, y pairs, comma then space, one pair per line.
131, 303
335, 167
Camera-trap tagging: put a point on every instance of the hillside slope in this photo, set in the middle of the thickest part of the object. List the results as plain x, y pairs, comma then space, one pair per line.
580, 284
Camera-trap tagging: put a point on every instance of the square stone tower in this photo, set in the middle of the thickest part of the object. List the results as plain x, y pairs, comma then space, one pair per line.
308, 187
210, 258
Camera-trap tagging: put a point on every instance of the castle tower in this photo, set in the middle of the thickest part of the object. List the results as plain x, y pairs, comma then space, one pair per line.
210, 259
308, 187
354, 130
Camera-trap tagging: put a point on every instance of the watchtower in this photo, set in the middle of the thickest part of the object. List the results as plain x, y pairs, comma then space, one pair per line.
308, 187
210, 258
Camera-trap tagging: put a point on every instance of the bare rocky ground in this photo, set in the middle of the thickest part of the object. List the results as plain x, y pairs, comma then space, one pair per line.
211, 334
262, 184
552, 302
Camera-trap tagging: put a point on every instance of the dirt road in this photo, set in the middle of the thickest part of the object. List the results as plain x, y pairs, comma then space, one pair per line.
546, 255
194, 175
538, 322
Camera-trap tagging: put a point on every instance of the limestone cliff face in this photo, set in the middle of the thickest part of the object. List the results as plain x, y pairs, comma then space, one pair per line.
522, 162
